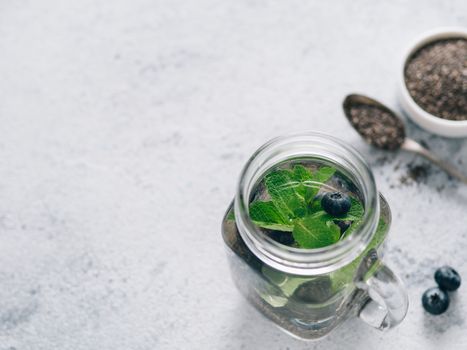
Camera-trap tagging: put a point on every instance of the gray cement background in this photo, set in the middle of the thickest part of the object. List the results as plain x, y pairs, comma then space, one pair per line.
123, 127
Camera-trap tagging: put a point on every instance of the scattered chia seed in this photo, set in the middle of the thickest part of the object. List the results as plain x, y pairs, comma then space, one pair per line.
377, 126
415, 174
419, 172
436, 77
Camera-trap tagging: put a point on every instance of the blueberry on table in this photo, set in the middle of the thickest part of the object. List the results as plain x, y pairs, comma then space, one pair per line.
435, 301
447, 278
336, 203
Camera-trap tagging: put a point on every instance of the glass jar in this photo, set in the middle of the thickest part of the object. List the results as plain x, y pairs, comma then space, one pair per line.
309, 292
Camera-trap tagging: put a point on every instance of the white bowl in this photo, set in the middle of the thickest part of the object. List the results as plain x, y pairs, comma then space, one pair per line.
443, 127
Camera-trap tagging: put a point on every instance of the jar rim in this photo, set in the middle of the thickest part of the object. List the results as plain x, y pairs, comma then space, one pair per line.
297, 260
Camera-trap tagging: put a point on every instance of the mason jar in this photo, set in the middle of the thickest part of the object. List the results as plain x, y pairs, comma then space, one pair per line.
309, 292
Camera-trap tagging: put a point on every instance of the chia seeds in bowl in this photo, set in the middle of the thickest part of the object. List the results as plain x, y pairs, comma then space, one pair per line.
433, 81
435, 76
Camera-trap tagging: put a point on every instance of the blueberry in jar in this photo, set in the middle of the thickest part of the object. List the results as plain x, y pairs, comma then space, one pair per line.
281, 237
336, 203
435, 301
343, 225
447, 278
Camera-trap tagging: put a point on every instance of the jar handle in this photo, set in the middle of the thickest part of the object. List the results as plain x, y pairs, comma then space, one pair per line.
388, 300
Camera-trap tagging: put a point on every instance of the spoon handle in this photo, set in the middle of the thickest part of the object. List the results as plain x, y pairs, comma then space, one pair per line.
413, 146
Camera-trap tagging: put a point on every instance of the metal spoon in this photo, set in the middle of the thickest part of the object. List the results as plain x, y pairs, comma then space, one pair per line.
382, 128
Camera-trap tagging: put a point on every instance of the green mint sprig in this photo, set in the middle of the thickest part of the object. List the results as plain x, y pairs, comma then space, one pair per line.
293, 207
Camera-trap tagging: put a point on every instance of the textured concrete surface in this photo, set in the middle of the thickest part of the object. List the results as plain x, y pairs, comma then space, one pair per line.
124, 125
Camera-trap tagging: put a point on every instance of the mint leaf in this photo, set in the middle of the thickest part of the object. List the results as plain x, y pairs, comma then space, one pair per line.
292, 190
309, 182
287, 283
311, 193
300, 173
282, 188
266, 215
323, 174
315, 231
231, 215
346, 274
266, 212
355, 215
315, 206
275, 227
305, 186
356, 210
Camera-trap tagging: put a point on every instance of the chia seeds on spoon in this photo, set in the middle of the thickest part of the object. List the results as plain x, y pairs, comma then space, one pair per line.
436, 78
378, 126
382, 128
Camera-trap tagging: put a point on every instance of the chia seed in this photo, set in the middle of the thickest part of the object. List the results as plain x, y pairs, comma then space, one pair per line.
415, 174
377, 126
436, 78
